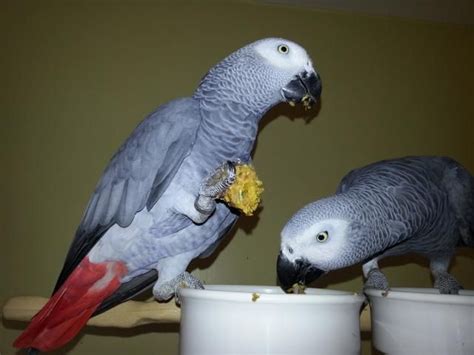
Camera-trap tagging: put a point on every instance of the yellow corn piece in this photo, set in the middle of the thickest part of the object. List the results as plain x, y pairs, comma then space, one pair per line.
306, 102
297, 288
244, 193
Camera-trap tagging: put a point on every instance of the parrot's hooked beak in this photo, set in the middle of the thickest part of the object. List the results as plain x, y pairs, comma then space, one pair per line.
305, 87
298, 272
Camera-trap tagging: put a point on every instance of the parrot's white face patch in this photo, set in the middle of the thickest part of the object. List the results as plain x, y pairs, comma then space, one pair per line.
285, 55
322, 243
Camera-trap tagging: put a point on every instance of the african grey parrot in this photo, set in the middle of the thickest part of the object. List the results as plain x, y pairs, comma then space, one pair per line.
154, 208
421, 205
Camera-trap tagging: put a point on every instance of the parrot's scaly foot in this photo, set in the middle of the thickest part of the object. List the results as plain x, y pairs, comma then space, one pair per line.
214, 186
376, 279
447, 284
171, 288
186, 280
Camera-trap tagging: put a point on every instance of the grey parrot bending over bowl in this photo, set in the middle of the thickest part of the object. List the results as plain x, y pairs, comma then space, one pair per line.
422, 205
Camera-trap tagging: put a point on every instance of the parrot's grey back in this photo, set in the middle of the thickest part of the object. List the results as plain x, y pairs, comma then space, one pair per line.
432, 187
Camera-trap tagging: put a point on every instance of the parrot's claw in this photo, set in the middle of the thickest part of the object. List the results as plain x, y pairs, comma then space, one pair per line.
447, 284
171, 288
376, 279
219, 181
186, 280
214, 186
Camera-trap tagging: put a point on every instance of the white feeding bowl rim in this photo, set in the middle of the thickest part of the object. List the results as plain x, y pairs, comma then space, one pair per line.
269, 294
465, 297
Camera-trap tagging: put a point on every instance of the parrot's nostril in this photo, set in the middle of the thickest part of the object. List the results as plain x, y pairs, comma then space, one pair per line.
290, 250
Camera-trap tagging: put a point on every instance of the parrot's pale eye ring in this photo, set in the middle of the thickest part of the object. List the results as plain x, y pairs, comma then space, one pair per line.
322, 237
283, 48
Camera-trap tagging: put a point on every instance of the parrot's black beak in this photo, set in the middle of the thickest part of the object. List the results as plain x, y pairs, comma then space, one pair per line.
298, 272
305, 87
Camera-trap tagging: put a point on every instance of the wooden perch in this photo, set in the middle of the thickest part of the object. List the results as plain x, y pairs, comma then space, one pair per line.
126, 315
365, 320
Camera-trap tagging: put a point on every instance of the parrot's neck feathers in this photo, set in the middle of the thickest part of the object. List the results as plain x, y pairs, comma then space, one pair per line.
231, 101
231, 132
233, 85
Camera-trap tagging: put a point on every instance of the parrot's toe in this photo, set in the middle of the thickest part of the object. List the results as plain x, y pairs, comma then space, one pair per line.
186, 280
169, 289
212, 188
376, 279
164, 291
447, 284
219, 181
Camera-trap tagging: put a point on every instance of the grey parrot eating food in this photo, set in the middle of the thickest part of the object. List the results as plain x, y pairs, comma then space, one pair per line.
422, 205
154, 209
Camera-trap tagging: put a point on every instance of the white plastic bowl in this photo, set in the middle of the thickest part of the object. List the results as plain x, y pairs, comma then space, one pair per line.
422, 321
225, 319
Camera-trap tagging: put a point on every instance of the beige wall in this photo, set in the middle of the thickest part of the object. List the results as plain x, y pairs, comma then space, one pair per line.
78, 76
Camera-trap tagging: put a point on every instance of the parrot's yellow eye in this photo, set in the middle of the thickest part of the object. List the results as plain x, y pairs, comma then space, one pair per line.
322, 237
283, 48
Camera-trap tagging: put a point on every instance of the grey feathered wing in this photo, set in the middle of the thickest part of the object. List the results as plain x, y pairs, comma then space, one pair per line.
135, 178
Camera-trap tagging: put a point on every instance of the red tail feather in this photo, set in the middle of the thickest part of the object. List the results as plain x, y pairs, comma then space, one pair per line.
72, 305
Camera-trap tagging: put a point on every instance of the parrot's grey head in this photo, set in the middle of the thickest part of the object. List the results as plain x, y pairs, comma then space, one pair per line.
319, 238
262, 74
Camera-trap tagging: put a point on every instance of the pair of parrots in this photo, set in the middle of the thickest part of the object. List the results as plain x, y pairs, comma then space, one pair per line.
155, 207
